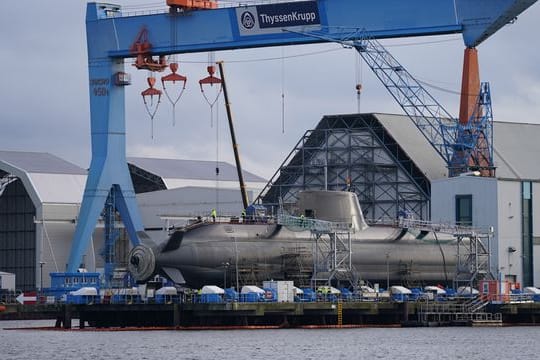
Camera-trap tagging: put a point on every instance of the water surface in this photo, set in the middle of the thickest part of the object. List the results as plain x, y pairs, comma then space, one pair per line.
364, 343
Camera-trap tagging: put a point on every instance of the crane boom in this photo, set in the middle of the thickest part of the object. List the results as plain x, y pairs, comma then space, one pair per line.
463, 147
243, 191
428, 114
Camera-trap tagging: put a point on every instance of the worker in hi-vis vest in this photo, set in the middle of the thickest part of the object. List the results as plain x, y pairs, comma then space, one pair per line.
213, 214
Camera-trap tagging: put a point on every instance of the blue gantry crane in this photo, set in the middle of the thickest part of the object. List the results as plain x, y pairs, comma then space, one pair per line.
201, 26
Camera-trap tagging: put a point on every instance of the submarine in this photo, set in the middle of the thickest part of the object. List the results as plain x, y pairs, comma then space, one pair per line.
205, 251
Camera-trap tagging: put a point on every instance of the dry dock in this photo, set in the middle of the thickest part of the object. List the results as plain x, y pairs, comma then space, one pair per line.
267, 315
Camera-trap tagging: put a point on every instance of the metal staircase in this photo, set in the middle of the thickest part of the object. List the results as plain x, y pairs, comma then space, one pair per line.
332, 248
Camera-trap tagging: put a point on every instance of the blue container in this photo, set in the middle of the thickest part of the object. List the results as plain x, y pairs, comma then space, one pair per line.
125, 299
450, 293
166, 299
416, 294
63, 283
82, 299
250, 297
309, 295
270, 295
400, 297
231, 295
346, 294
211, 298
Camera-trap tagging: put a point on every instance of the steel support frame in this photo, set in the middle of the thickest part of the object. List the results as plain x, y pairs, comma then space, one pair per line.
358, 148
108, 168
332, 258
473, 259
466, 145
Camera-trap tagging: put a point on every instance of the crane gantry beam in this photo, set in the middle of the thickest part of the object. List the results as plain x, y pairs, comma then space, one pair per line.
112, 34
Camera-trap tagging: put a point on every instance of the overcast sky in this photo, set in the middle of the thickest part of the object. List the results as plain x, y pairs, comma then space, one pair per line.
44, 91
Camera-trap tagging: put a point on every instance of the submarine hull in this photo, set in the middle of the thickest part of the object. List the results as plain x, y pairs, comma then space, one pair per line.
210, 252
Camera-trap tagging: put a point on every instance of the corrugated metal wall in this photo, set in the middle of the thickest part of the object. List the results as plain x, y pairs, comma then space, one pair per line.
18, 235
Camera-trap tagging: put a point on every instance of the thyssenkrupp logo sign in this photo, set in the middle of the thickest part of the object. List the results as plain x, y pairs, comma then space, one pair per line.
262, 19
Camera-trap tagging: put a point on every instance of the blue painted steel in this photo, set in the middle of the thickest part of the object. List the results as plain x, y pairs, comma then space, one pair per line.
213, 30
463, 148
64, 283
108, 167
482, 18
111, 234
474, 140
110, 36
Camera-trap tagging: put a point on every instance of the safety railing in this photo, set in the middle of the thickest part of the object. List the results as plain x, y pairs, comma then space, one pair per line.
129, 11
442, 228
314, 225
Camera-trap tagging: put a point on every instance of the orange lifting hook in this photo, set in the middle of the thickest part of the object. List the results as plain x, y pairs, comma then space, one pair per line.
210, 80
173, 77
151, 92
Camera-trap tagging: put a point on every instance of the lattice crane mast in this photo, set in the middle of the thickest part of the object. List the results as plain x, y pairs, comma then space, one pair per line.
464, 147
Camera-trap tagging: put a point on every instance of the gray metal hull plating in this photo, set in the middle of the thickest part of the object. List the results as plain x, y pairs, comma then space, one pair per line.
378, 253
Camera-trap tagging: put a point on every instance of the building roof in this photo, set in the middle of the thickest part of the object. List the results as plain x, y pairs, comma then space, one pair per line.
191, 169
46, 178
409, 138
35, 162
516, 148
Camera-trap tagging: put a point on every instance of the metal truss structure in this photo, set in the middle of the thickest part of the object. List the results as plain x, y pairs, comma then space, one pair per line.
464, 148
332, 258
473, 250
332, 249
473, 259
355, 153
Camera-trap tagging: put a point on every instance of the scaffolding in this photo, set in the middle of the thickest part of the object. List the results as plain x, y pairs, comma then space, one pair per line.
332, 249
354, 153
473, 259
296, 266
473, 250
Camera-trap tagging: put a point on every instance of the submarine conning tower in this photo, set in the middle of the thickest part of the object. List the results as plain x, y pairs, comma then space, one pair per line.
335, 206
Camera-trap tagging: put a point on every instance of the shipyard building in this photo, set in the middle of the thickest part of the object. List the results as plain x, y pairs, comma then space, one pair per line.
40, 197
383, 158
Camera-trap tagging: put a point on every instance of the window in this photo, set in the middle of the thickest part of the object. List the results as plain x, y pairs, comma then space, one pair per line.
464, 210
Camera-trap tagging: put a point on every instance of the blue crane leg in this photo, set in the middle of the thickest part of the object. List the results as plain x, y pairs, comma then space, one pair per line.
126, 203
91, 208
108, 167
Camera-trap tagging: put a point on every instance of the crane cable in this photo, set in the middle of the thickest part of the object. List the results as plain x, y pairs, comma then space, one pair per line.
212, 101
359, 79
151, 109
443, 258
173, 61
283, 90
217, 157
